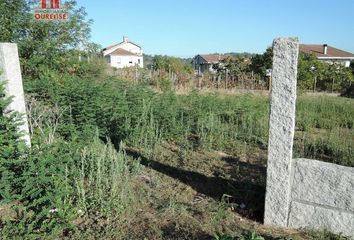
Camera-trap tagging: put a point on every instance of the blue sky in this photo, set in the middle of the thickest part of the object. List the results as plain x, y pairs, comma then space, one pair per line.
185, 28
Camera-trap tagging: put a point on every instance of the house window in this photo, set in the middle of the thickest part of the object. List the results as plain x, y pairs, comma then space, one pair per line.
119, 60
138, 61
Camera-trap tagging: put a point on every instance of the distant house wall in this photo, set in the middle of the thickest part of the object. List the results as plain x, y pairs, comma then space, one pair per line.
126, 61
345, 62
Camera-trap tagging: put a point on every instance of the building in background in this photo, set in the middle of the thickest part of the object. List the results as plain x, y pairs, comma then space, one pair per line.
327, 53
205, 63
124, 54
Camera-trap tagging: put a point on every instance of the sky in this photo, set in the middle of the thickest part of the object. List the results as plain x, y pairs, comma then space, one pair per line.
184, 28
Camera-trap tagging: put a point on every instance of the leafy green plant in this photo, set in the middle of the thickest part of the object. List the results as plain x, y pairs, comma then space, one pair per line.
12, 150
223, 237
252, 236
248, 236
44, 191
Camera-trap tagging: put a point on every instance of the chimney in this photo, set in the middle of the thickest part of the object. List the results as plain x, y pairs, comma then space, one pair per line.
325, 48
125, 39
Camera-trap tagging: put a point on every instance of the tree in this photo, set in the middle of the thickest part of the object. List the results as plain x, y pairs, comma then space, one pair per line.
262, 62
159, 62
12, 19
92, 49
168, 64
314, 74
43, 44
234, 67
349, 88
11, 149
310, 71
337, 77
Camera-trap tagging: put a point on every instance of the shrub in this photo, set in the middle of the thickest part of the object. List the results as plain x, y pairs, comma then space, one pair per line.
11, 150
44, 191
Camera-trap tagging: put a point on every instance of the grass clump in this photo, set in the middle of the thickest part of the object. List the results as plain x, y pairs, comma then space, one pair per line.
104, 183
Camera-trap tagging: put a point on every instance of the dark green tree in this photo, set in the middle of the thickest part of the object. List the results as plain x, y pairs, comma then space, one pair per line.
168, 64
349, 88
262, 62
10, 151
236, 66
47, 43
13, 19
337, 77
44, 44
159, 62
310, 71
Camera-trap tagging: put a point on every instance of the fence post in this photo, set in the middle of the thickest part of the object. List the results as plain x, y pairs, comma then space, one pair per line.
10, 72
281, 131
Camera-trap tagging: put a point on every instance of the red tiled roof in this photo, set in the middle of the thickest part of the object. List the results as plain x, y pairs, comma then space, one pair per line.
317, 49
212, 58
122, 52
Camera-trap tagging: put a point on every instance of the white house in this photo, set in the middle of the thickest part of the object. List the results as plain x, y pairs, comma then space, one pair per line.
327, 53
124, 54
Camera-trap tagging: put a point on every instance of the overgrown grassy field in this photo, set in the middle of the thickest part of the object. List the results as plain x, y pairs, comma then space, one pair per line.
113, 160
140, 117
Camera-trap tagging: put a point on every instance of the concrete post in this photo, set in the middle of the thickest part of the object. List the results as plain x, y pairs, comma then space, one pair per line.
10, 72
281, 131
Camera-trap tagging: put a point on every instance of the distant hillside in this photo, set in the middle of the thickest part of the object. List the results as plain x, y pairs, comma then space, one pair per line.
244, 54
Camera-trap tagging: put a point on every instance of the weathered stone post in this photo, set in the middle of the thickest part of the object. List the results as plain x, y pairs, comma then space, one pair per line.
281, 131
10, 72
